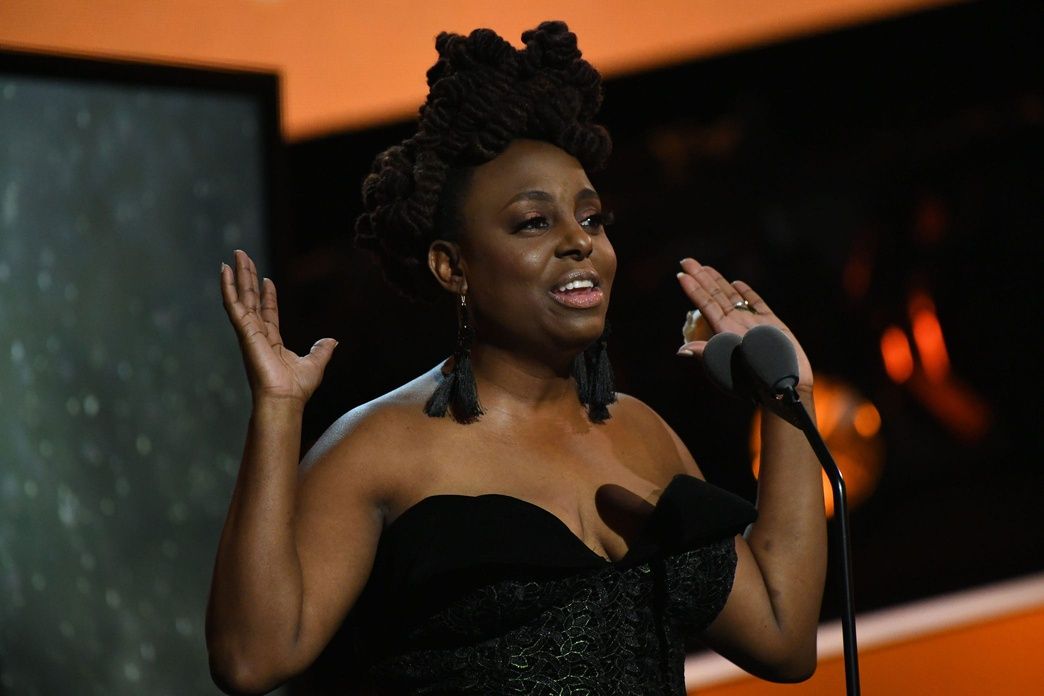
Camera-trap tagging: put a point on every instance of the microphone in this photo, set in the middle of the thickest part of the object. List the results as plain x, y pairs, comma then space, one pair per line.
718, 357
761, 366
771, 358
771, 362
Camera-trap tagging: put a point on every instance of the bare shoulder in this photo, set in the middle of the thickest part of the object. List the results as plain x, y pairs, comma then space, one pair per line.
636, 413
640, 422
374, 443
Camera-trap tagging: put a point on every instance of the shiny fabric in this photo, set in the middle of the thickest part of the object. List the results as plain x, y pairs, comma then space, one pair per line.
495, 595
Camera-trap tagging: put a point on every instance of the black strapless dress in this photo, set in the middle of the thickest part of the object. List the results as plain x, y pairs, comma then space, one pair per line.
495, 595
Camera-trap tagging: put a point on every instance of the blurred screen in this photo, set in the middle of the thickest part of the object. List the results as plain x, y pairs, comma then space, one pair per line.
122, 398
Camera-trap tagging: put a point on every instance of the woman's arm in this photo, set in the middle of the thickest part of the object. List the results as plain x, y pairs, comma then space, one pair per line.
286, 570
768, 625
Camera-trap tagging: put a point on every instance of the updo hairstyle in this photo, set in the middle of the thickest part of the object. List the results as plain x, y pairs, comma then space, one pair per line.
483, 94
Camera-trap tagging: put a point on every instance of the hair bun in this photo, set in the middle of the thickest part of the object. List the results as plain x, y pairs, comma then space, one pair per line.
550, 45
457, 54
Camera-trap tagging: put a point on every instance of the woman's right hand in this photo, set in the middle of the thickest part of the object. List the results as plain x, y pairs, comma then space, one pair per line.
274, 371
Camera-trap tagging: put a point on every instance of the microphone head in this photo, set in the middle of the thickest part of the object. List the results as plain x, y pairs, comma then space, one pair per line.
771, 357
717, 361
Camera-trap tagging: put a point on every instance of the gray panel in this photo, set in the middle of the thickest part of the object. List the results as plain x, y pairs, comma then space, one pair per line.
122, 399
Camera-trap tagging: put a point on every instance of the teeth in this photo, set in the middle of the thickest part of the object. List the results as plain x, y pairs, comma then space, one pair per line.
573, 285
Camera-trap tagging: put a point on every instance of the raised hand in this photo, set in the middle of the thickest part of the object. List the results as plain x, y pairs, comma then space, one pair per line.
274, 372
734, 308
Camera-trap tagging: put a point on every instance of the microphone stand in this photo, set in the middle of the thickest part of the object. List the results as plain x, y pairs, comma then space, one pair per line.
842, 538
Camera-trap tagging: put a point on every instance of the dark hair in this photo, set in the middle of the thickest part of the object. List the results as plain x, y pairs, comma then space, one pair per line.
483, 94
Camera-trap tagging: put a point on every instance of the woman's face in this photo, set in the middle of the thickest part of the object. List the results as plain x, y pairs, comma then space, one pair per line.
537, 263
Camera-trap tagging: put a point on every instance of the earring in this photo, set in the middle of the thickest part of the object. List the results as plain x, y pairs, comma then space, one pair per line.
457, 390
594, 378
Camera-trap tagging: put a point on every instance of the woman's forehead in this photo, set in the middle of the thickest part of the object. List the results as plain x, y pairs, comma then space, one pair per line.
527, 167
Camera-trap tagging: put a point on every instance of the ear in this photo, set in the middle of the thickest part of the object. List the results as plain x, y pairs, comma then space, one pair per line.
446, 265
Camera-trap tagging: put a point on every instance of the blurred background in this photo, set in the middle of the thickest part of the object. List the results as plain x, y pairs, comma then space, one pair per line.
873, 169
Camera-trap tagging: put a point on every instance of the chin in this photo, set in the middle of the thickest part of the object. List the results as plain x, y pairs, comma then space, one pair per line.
583, 333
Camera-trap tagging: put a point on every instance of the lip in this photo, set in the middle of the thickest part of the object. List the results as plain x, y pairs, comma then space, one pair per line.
579, 274
578, 299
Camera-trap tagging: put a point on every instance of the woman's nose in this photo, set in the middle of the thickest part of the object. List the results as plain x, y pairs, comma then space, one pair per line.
575, 241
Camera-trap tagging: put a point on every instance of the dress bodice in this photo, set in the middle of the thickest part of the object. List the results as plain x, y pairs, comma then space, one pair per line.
491, 594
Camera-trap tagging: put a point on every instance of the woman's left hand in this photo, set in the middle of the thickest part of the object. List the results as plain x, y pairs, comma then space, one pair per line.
721, 304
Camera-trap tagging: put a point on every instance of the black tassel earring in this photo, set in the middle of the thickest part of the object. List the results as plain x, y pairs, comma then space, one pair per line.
457, 390
594, 378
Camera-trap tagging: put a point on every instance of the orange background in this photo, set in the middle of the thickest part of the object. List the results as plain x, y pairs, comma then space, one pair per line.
1001, 657
349, 63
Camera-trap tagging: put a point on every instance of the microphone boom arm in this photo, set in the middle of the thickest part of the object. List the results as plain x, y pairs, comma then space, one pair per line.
842, 539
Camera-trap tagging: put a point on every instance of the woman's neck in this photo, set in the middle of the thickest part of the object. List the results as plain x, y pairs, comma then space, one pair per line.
509, 381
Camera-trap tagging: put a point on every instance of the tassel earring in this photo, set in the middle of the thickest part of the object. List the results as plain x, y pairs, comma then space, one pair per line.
594, 378
457, 390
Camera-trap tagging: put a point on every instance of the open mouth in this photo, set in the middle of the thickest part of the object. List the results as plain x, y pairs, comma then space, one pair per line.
580, 293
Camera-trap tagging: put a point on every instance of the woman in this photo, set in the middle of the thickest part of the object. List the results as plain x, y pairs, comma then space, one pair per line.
505, 523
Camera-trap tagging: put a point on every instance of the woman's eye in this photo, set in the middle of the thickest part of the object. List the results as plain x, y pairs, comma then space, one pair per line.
598, 220
533, 223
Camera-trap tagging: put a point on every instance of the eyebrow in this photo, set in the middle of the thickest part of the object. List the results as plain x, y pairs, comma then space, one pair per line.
537, 195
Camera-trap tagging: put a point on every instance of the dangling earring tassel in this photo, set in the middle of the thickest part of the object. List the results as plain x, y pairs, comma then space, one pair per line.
457, 390
594, 378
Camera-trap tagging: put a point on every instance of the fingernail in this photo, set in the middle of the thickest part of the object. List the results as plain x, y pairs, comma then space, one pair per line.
681, 275
686, 353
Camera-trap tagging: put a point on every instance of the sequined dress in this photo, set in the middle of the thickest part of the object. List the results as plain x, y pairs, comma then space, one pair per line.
491, 594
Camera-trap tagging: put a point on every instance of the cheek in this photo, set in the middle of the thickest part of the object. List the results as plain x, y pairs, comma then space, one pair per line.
607, 265
530, 265
498, 275
526, 264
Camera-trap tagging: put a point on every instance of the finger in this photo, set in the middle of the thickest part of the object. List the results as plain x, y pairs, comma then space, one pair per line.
270, 311
729, 294
723, 293
255, 280
704, 275
269, 302
721, 297
230, 299
692, 349
753, 299
701, 297
229, 296
246, 281
690, 265
321, 352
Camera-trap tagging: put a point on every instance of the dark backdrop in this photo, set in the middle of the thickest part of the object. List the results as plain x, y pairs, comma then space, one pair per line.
909, 148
